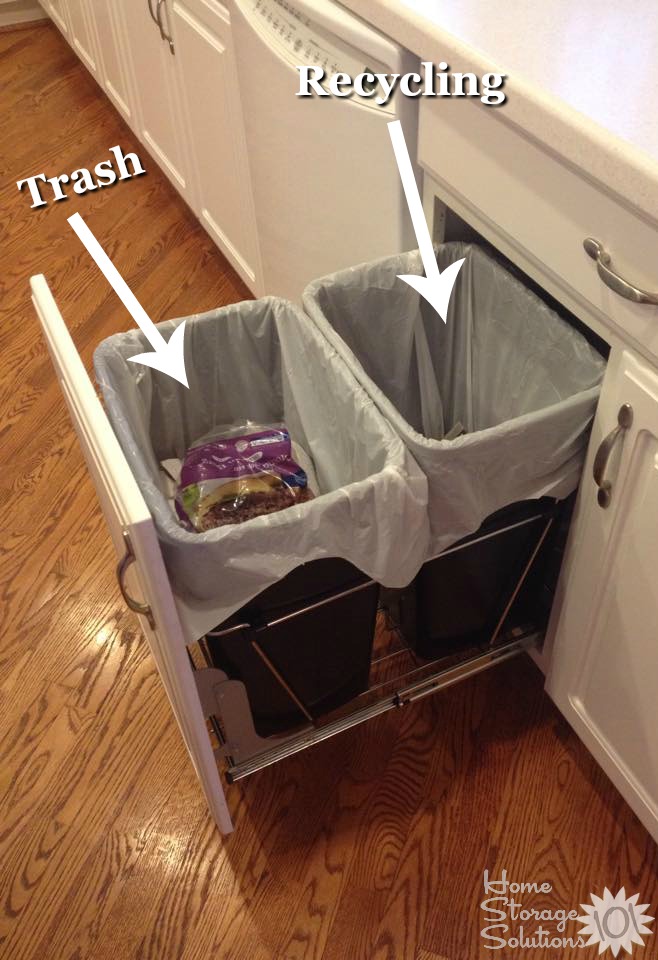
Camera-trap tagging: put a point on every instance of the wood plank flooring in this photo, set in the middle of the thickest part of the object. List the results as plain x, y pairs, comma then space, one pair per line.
371, 846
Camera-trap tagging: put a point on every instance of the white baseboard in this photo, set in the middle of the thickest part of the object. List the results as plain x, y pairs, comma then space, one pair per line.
20, 11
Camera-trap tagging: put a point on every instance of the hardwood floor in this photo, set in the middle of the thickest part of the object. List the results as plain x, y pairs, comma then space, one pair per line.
371, 846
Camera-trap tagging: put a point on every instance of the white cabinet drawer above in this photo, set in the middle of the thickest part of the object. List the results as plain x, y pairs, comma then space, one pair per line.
539, 211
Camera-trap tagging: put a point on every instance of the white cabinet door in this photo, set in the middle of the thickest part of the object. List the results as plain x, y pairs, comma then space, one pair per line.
160, 124
58, 11
109, 22
126, 513
203, 45
82, 35
603, 673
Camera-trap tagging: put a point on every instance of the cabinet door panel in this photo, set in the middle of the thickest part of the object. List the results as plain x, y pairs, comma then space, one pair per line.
204, 47
111, 32
59, 13
82, 34
126, 512
604, 668
160, 124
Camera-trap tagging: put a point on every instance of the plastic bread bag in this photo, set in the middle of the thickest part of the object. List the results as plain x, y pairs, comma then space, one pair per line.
242, 471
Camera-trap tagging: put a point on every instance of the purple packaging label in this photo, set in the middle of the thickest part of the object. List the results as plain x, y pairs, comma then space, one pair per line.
226, 458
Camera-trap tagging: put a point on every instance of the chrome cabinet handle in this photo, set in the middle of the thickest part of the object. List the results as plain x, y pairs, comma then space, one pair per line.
153, 16
158, 20
163, 32
624, 422
611, 279
122, 567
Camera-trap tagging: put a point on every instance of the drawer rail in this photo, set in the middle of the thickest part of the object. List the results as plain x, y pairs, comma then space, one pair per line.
408, 694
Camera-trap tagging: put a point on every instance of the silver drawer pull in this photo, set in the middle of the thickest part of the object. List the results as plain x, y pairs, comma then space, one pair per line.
163, 32
611, 279
122, 566
624, 422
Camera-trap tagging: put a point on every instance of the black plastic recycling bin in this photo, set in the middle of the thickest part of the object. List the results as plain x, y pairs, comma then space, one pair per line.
499, 581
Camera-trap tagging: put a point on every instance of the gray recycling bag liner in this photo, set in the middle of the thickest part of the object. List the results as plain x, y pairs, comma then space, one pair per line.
523, 382
265, 361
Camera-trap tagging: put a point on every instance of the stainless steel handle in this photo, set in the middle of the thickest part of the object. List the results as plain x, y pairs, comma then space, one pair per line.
624, 421
163, 32
611, 279
158, 19
153, 16
129, 557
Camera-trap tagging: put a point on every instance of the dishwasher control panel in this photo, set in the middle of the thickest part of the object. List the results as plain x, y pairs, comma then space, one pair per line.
302, 41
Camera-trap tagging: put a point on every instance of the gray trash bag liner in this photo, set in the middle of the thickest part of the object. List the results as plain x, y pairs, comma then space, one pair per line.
521, 380
265, 361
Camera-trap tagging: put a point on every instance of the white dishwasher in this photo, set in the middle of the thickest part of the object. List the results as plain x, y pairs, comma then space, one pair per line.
326, 186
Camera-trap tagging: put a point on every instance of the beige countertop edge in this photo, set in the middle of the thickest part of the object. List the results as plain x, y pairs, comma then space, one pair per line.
605, 159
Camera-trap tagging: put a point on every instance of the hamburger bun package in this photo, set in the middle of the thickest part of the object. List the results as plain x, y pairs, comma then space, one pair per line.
239, 472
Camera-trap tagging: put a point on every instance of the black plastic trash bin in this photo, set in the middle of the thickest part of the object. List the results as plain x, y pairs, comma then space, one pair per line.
303, 646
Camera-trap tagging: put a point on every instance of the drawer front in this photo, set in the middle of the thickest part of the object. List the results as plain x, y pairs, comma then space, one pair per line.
539, 211
125, 510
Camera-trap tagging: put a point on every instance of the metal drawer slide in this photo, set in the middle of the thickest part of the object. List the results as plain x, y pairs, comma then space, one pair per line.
247, 752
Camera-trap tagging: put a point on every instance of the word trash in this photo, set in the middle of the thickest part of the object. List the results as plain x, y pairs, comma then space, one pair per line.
104, 174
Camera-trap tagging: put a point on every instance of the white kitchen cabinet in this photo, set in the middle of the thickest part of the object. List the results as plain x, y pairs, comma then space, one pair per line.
159, 120
538, 211
110, 26
82, 34
601, 652
211, 97
96, 31
601, 655
169, 68
58, 11
603, 671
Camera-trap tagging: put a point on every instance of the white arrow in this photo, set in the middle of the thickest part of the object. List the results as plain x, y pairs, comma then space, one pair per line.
168, 357
435, 286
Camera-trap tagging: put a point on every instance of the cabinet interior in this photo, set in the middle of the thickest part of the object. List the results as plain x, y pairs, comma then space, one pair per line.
448, 225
